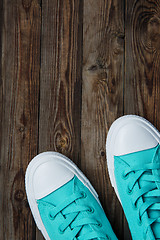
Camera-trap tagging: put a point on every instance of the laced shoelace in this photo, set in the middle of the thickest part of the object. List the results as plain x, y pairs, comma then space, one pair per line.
150, 193
71, 219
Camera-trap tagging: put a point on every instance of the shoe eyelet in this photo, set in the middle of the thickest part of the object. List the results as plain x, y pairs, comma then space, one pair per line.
139, 221
134, 206
90, 210
129, 191
99, 224
50, 216
83, 195
61, 231
124, 176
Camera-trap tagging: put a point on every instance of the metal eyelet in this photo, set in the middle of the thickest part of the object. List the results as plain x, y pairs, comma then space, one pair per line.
61, 231
50, 216
99, 224
90, 210
129, 191
83, 195
124, 176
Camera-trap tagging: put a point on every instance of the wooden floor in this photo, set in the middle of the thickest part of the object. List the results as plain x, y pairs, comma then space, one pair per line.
68, 69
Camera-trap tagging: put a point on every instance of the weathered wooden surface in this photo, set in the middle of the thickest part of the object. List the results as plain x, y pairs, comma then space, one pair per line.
68, 69
102, 95
20, 65
142, 68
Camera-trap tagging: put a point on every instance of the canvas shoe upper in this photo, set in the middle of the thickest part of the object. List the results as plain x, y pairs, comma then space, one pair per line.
133, 157
63, 202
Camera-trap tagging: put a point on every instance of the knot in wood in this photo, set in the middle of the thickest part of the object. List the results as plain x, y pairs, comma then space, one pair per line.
22, 129
19, 195
154, 29
61, 141
26, 4
102, 153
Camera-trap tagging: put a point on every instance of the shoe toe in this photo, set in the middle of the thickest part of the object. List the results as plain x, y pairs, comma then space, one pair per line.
133, 137
49, 176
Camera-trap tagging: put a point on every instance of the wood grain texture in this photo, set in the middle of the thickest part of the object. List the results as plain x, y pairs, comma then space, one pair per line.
142, 75
142, 61
60, 93
102, 96
68, 69
60, 87
20, 64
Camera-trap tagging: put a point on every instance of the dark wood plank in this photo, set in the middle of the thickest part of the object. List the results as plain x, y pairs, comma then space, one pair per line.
1, 111
20, 64
142, 61
60, 81
142, 77
102, 95
62, 125
60, 94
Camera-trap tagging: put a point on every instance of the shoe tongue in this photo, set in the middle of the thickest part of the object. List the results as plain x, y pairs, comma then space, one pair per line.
63, 192
146, 157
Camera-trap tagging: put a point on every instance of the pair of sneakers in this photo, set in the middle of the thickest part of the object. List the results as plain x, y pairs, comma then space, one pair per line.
65, 205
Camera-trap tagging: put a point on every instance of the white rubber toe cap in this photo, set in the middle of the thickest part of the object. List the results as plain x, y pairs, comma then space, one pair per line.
132, 137
126, 135
50, 176
46, 173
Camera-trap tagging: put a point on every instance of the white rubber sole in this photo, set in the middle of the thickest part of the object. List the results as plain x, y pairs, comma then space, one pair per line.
112, 133
33, 165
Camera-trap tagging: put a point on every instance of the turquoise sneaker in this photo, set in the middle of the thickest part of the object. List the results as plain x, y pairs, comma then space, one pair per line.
64, 204
133, 159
